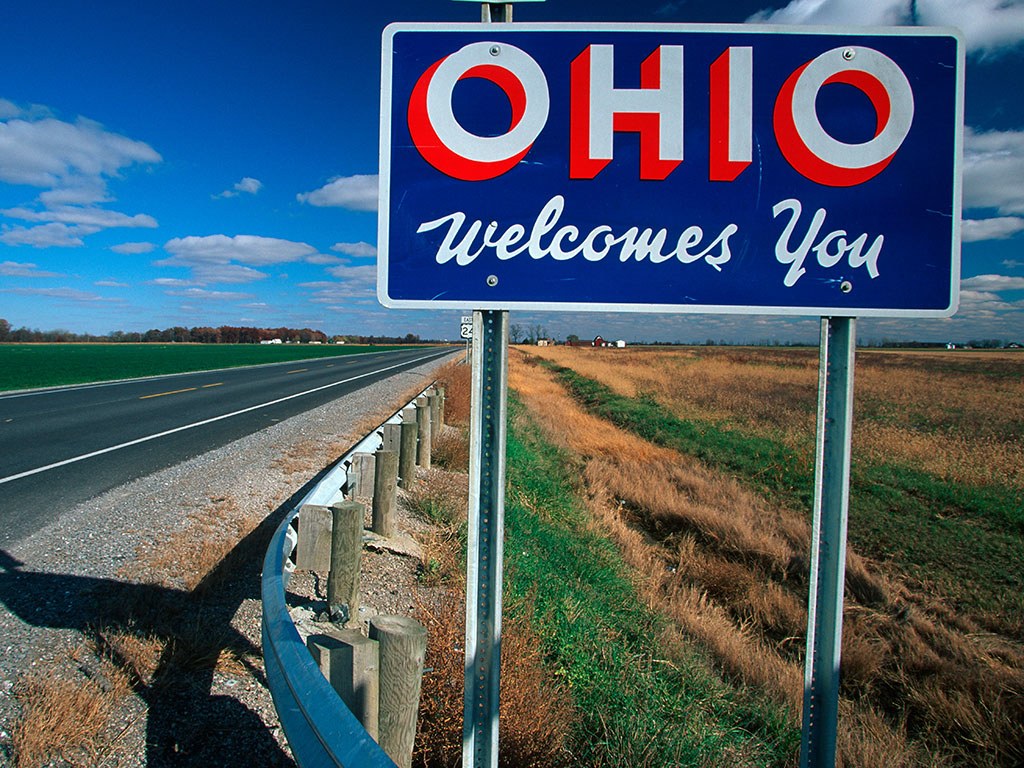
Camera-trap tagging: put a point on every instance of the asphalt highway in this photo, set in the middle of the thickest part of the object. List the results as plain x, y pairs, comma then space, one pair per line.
60, 447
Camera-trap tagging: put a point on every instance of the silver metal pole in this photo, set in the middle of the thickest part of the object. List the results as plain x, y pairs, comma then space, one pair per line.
486, 535
828, 542
485, 548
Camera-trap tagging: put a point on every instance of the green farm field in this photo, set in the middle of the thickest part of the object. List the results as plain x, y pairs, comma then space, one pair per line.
28, 366
697, 463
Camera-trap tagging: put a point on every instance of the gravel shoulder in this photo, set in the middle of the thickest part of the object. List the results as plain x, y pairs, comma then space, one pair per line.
153, 589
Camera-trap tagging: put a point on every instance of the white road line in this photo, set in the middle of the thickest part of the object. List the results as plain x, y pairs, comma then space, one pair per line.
158, 435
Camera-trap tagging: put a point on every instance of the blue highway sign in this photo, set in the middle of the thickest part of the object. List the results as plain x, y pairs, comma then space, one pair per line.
724, 168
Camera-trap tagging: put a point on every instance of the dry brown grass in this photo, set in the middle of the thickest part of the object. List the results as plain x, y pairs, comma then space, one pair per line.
440, 497
184, 558
455, 377
914, 408
451, 450
536, 715
136, 653
66, 718
921, 686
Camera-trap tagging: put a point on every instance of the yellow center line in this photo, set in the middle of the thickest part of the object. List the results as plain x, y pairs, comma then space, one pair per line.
218, 384
298, 370
173, 392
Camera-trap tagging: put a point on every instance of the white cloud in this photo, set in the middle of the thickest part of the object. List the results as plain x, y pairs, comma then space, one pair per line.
202, 294
110, 284
226, 273
224, 259
837, 12
172, 282
986, 305
70, 294
366, 275
324, 258
100, 218
358, 193
132, 248
988, 25
991, 229
84, 192
47, 235
55, 154
359, 250
252, 250
993, 283
9, 109
73, 163
355, 284
248, 185
993, 167
26, 269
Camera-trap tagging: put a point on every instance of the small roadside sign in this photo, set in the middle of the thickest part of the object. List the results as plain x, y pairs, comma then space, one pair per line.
466, 329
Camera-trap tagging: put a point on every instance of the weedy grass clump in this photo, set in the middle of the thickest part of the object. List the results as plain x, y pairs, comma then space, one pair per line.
66, 717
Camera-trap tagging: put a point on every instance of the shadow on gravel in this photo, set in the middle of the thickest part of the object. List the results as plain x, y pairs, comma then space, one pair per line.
187, 724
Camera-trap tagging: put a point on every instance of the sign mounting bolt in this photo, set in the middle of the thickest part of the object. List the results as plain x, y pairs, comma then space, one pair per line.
492, 280
848, 54
495, 50
846, 286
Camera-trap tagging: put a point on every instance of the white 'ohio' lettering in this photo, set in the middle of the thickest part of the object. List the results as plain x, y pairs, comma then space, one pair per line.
597, 110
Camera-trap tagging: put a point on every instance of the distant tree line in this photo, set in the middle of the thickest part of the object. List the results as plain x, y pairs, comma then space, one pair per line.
225, 334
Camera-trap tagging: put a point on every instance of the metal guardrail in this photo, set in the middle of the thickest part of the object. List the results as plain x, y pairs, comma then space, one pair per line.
320, 729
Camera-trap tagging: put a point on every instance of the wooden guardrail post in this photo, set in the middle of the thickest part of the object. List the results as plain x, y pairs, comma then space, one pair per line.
385, 487
313, 549
361, 475
403, 645
435, 428
407, 452
346, 552
391, 437
440, 408
351, 663
423, 432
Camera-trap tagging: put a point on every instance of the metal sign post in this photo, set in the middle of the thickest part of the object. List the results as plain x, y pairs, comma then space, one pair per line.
485, 548
828, 542
486, 535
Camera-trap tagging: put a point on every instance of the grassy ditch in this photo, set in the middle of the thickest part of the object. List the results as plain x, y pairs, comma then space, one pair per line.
593, 673
27, 366
968, 540
933, 663
642, 697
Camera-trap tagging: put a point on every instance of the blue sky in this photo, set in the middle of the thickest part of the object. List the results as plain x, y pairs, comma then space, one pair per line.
197, 163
